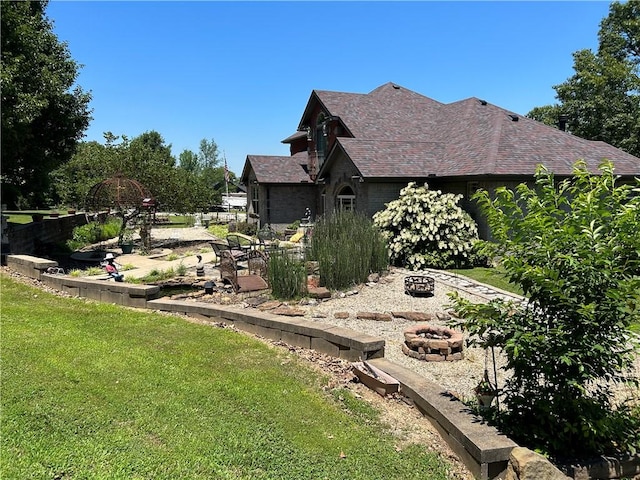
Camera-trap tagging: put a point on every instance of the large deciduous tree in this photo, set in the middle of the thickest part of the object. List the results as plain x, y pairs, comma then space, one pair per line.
602, 99
43, 113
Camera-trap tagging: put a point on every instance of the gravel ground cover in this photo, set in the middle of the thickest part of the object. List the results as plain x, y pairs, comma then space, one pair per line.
387, 296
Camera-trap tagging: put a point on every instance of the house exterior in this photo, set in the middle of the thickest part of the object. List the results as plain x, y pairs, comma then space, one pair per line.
357, 151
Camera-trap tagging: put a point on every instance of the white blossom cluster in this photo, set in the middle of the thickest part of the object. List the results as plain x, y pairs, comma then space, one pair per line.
426, 228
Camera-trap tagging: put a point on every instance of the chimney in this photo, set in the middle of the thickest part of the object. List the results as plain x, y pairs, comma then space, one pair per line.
562, 122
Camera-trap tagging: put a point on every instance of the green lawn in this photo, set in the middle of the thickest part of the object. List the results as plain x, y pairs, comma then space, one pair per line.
23, 217
495, 277
94, 390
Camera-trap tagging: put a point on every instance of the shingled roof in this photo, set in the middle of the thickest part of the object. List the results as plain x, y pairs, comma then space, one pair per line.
276, 169
398, 133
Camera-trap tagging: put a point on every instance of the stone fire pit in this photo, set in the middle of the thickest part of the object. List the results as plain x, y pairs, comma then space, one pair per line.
433, 343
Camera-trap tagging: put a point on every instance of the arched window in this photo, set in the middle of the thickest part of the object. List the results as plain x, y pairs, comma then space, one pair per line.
321, 139
346, 199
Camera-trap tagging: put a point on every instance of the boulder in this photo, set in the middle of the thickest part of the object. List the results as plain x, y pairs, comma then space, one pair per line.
525, 464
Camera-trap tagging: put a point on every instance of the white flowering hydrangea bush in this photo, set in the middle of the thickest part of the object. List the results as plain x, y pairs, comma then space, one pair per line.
427, 228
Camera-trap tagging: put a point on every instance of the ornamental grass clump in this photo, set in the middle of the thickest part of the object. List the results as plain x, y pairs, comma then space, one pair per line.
287, 275
427, 228
574, 248
348, 248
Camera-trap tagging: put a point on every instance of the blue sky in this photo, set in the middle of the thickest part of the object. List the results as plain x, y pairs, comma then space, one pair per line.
241, 73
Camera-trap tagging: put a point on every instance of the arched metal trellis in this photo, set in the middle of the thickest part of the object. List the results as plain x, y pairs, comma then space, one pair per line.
117, 192
127, 198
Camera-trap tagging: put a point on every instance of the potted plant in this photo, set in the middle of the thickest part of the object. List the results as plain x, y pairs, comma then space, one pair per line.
485, 391
127, 241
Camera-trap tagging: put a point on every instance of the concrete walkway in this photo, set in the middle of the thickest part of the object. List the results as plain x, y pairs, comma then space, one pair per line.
135, 265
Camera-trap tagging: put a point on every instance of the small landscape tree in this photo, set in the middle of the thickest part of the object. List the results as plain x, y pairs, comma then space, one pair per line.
574, 248
426, 228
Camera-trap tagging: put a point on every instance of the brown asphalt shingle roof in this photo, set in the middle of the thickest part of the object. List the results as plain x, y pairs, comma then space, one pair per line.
275, 169
400, 133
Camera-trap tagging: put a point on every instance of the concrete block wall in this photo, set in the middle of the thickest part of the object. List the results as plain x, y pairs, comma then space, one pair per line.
335, 341
28, 238
125, 294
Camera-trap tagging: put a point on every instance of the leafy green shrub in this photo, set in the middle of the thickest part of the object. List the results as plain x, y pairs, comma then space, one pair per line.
220, 230
181, 269
247, 228
294, 225
287, 276
348, 247
426, 228
93, 232
574, 248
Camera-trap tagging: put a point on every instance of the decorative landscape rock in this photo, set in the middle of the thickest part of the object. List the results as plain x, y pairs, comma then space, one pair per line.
319, 292
433, 343
415, 316
378, 317
525, 464
288, 311
270, 305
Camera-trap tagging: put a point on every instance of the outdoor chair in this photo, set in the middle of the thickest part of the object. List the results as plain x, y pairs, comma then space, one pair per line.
257, 272
266, 239
220, 246
239, 241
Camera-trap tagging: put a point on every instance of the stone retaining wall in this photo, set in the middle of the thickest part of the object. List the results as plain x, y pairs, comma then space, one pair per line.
33, 237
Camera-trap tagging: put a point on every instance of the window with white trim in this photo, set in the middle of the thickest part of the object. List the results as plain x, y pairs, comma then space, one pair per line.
346, 200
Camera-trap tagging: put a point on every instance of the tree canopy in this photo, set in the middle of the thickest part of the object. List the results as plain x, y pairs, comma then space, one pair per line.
44, 114
190, 186
602, 99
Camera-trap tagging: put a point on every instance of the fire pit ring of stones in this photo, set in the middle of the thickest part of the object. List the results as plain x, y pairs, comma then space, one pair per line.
433, 343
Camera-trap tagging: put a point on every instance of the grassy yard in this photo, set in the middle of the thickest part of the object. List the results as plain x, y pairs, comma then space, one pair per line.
495, 277
94, 390
24, 217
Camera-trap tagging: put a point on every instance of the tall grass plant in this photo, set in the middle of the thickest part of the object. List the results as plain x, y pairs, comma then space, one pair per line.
348, 247
287, 275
